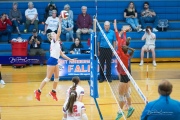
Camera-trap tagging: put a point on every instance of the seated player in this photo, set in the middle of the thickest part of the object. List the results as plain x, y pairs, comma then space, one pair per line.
79, 90
74, 109
124, 80
77, 44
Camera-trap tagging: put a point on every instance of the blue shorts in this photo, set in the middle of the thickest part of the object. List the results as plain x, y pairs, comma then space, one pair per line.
52, 61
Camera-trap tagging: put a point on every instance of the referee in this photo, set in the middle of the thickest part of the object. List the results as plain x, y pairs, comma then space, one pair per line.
105, 52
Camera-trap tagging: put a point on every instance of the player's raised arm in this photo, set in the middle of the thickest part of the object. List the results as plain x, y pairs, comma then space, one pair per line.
59, 29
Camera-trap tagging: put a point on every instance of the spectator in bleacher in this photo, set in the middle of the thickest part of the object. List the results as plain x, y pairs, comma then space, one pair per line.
148, 16
70, 12
67, 29
130, 14
49, 10
3, 26
35, 45
149, 45
164, 108
77, 44
52, 23
105, 52
31, 17
84, 22
15, 16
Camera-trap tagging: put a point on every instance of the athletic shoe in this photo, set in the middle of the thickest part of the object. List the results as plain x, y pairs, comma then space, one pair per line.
141, 63
37, 95
130, 112
119, 115
2, 82
154, 63
139, 30
155, 30
101, 80
53, 94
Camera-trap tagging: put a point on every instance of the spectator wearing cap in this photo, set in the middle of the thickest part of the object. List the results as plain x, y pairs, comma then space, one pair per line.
3, 26
49, 10
164, 108
67, 28
15, 16
84, 22
105, 52
70, 12
31, 17
52, 23
35, 45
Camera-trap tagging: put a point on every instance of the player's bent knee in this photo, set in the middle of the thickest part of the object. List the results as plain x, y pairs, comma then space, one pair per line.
46, 80
127, 95
121, 98
64, 118
56, 79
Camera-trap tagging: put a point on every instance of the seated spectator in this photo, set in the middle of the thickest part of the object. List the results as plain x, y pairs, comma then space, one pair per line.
130, 14
70, 12
164, 108
67, 28
31, 17
3, 26
52, 23
148, 16
84, 22
15, 16
149, 45
63, 48
35, 45
49, 10
77, 44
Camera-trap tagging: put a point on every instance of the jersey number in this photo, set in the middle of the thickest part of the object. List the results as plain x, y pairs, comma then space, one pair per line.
75, 108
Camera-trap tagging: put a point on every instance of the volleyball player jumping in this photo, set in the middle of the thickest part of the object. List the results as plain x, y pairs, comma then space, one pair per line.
52, 63
122, 52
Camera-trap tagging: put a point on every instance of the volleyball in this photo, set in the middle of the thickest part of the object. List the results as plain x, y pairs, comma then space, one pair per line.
64, 14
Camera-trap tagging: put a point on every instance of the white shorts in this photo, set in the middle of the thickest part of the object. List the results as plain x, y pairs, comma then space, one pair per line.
148, 47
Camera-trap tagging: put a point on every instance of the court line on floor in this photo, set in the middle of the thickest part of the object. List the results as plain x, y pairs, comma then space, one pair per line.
61, 105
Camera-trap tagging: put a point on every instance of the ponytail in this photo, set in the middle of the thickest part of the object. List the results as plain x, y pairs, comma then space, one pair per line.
75, 81
71, 100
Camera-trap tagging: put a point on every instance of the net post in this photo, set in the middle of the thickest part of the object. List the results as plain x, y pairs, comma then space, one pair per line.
93, 63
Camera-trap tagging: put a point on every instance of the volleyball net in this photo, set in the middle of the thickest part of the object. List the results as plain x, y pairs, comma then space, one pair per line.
138, 98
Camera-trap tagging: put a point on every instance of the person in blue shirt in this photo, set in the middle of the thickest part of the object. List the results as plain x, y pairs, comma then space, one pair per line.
164, 108
105, 52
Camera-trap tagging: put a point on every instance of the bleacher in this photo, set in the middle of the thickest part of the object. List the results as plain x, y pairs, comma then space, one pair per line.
167, 43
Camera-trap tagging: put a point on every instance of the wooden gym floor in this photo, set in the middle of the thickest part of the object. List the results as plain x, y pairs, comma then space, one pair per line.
17, 99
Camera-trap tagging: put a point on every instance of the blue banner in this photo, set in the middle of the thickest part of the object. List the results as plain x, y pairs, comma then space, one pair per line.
21, 59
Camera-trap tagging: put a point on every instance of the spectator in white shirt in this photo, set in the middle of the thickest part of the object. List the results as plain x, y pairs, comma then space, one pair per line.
31, 17
52, 23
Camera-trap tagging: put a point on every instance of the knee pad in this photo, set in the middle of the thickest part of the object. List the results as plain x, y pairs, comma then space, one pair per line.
56, 79
121, 98
46, 80
127, 95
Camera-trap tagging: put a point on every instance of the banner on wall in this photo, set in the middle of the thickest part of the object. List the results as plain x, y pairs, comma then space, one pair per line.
80, 67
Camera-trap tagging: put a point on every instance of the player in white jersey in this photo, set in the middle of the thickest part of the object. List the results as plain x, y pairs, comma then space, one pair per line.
73, 109
79, 90
52, 63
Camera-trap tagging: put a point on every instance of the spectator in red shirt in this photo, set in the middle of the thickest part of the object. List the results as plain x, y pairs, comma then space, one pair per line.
84, 22
3, 26
122, 52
